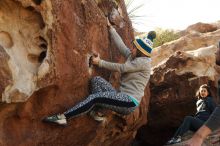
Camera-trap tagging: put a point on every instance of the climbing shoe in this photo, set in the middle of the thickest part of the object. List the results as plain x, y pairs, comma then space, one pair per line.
59, 119
174, 140
98, 116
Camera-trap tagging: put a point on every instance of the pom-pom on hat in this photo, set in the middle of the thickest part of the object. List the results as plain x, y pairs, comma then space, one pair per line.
145, 43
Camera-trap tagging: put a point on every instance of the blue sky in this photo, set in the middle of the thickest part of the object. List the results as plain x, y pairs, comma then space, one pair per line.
176, 14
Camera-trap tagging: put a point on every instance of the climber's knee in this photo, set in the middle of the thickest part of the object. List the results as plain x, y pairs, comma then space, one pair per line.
96, 79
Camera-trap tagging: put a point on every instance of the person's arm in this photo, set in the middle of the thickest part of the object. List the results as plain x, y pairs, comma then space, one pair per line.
199, 137
133, 66
123, 49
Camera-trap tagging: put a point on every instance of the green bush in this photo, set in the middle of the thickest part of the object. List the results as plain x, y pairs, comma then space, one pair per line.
164, 36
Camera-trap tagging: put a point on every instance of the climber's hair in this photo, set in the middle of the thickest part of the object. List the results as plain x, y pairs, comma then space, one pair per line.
139, 53
205, 86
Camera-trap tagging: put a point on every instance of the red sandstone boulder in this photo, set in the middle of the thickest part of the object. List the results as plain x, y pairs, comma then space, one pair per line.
202, 27
191, 41
44, 70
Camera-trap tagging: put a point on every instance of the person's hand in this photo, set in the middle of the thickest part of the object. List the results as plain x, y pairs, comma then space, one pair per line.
95, 59
108, 23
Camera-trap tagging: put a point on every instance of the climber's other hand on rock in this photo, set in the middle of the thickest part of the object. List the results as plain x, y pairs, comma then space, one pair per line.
95, 59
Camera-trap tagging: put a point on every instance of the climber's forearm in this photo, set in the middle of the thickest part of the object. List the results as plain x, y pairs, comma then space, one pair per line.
119, 42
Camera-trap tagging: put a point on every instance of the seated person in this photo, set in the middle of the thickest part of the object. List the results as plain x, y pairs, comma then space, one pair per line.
205, 106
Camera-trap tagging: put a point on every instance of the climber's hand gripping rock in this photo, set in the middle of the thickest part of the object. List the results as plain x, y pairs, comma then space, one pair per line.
95, 59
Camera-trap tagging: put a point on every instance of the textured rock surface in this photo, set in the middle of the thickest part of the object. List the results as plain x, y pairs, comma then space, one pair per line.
23, 39
188, 42
180, 67
45, 47
200, 27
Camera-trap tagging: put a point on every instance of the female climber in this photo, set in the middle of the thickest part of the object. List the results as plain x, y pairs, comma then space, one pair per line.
135, 74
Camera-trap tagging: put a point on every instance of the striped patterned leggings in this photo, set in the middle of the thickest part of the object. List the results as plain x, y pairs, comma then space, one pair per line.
105, 96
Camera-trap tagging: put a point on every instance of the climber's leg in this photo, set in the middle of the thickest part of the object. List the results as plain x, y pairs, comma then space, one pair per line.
118, 102
103, 93
98, 84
